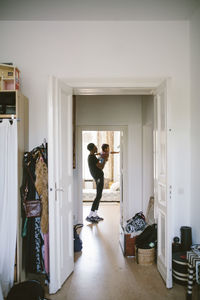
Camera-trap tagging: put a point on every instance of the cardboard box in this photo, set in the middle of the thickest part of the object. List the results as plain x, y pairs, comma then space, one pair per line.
127, 243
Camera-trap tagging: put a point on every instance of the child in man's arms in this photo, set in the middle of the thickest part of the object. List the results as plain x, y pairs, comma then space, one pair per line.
104, 154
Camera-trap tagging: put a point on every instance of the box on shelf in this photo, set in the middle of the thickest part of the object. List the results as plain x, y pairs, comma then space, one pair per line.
9, 78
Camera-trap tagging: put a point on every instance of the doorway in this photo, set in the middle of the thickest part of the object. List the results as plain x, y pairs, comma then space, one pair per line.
114, 179
111, 189
159, 90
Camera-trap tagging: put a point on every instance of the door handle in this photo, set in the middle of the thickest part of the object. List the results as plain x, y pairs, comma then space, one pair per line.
59, 190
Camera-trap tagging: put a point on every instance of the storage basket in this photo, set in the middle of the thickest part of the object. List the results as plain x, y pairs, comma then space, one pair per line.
145, 256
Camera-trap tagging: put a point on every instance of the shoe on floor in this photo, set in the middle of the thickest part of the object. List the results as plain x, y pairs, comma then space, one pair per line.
92, 219
99, 218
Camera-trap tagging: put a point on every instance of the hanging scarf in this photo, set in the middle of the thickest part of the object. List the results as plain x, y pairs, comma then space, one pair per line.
41, 184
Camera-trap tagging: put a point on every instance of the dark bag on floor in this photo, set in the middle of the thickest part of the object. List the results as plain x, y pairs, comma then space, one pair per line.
148, 236
77, 241
27, 290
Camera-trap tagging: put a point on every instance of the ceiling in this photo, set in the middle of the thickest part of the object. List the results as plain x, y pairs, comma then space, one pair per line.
98, 10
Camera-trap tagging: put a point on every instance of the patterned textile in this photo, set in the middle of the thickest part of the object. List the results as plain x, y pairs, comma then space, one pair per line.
136, 223
33, 251
46, 252
194, 261
193, 264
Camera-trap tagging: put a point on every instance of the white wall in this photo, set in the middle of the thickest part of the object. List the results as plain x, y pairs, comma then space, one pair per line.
119, 110
195, 125
147, 150
106, 49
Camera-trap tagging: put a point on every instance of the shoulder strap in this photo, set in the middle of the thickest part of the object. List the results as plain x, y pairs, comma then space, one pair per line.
32, 180
25, 191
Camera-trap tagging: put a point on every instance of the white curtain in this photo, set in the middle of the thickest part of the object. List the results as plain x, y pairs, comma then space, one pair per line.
8, 203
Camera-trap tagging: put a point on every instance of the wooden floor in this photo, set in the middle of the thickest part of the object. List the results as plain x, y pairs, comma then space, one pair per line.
103, 273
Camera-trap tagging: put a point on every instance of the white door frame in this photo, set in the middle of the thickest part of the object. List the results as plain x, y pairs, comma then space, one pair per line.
117, 86
80, 129
163, 179
109, 86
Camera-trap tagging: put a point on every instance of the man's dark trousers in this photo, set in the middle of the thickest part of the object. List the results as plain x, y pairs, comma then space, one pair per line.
99, 188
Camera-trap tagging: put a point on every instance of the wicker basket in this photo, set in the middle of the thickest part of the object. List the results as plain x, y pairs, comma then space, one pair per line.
146, 256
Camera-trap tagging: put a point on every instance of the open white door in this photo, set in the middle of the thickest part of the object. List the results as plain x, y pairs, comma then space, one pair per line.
121, 178
60, 183
162, 186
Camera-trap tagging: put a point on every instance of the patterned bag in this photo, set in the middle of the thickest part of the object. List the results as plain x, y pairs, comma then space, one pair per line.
136, 223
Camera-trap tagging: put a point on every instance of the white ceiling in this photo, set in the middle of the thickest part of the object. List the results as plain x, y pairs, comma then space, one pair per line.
97, 10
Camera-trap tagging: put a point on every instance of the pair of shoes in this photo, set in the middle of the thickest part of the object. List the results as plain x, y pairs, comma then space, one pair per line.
99, 218
92, 219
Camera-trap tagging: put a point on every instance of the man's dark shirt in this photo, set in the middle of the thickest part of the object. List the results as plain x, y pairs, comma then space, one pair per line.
94, 170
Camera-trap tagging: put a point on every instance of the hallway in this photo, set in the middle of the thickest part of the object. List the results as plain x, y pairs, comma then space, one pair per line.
103, 273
